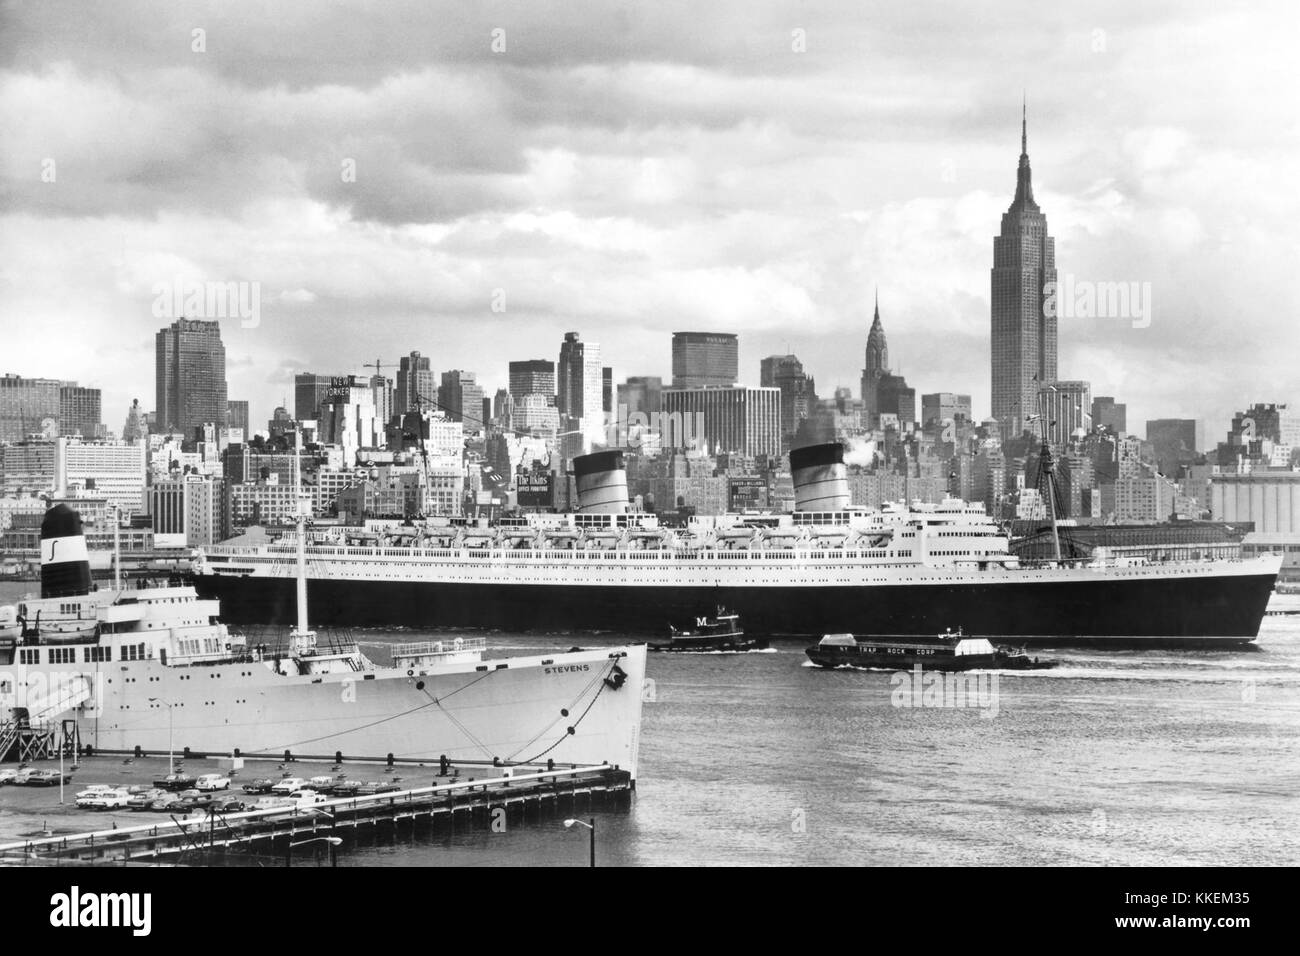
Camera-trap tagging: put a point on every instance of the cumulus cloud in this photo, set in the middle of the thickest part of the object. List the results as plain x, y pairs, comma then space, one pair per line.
628, 170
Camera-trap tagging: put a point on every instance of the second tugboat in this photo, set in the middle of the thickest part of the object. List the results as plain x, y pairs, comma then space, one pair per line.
944, 652
720, 634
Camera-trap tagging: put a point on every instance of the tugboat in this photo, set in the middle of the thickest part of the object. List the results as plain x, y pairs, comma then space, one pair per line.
720, 634
949, 651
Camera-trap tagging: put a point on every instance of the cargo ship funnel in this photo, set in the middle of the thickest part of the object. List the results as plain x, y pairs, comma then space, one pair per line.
65, 565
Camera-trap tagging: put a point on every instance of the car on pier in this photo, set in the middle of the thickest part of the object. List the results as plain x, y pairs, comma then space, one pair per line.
95, 788
47, 778
144, 799
212, 781
7, 776
105, 800
261, 785
175, 781
288, 785
346, 788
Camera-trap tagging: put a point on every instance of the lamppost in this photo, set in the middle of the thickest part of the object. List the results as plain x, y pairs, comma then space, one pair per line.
331, 840
171, 751
569, 824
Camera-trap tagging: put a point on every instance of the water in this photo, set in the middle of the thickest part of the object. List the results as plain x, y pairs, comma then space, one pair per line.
1116, 758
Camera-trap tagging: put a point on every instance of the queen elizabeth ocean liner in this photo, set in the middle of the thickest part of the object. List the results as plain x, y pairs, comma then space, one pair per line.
153, 668
825, 568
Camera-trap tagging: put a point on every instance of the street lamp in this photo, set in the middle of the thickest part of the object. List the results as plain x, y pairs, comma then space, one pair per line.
331, 840
570, 823
171, 751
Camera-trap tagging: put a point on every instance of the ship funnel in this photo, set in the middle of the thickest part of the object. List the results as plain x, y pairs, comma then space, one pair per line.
820, 480
65, 566
602, 483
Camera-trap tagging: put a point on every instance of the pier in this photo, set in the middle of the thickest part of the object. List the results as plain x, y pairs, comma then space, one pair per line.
510, 796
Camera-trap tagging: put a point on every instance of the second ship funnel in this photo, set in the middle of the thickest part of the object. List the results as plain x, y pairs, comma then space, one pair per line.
602, 483
820, 479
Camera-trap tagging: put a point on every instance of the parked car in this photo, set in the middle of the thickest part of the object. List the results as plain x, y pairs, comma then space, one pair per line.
227, 806
143, 800
105, 800
288, 785
48, 778
175, 781
261, 785
319, 783
95, 788
371, 787
162, 804
7, 776
212, 781
307, 798
22, 775
272, 803
346, 788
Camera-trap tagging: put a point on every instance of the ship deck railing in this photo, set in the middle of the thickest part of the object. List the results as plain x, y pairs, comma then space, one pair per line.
459, 645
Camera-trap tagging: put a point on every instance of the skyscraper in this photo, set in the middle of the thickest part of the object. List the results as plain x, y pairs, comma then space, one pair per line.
1174, 442
704, 358
1023, 334
414, 380
190, 375
309, 392
533, 377
877, 360
1067, 407
237, 416
461, 397
883, 392
1108, 413
798, 392
29, 406
80, 411
580, 389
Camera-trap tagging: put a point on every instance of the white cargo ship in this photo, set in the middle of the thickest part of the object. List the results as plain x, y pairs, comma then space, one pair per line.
156, 669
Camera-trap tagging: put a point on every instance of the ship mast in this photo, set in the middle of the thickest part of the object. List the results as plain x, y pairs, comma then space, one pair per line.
302, 640
1045, 470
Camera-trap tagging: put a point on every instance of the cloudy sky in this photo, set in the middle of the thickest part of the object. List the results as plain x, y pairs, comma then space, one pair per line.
387, 172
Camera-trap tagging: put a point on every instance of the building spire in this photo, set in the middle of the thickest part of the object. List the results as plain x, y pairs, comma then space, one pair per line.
877, 316
1024, 125
1024, 184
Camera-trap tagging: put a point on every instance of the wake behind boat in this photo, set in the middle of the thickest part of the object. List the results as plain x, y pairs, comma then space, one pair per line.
944, 652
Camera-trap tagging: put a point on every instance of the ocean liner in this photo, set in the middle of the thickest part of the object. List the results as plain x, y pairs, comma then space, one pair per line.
825, 568
151, 668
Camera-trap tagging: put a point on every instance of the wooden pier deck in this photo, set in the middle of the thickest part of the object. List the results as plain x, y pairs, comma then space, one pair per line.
508, 796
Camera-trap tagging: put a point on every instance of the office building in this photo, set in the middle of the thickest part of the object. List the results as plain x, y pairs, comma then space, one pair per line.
190, 376
701, 359
1024, 334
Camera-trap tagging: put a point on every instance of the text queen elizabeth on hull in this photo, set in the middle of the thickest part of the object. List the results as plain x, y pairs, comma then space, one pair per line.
825, 568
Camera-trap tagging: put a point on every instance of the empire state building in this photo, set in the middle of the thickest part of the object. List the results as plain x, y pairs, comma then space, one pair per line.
1024, 336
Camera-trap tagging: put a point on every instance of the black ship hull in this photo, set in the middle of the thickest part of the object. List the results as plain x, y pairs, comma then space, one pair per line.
1194, 611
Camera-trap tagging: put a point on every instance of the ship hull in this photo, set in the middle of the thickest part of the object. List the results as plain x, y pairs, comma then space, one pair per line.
1202, 607
515, 710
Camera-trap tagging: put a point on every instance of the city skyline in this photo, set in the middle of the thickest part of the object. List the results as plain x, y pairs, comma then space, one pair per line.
771, 220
